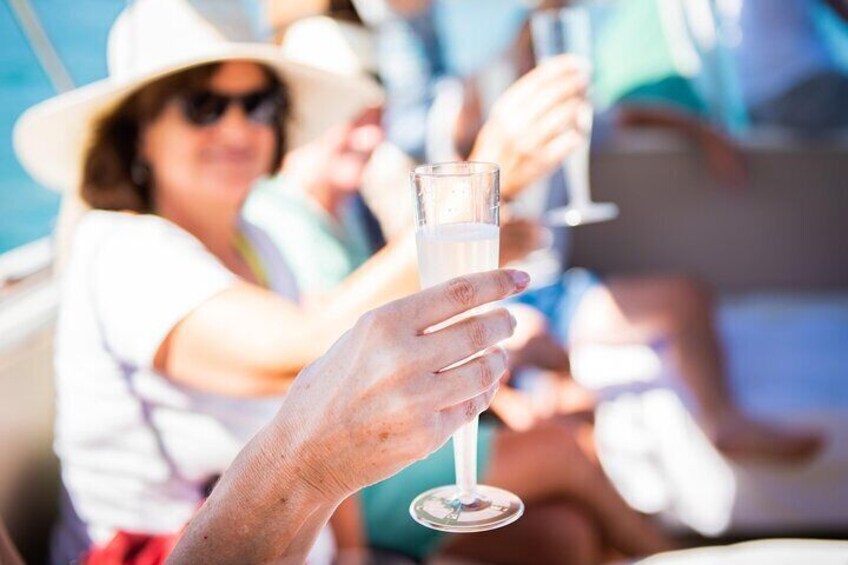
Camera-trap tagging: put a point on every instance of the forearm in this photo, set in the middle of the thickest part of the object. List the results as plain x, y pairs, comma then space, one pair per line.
281, 13
248, 341
8, 554
390, 274
261, 510
348, 525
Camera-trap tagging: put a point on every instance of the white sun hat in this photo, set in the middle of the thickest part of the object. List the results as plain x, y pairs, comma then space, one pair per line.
332, 45
155, 38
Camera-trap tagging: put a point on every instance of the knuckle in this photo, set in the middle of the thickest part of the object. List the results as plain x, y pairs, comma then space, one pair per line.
486, 370
504, 282
477, 333
526, 149
507, 320
470, 409
461, 291
370, 321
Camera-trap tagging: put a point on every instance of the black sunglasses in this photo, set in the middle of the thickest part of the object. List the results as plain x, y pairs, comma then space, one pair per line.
204, 108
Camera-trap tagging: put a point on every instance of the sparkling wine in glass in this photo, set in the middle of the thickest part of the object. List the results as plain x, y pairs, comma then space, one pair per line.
457, 233
568, 30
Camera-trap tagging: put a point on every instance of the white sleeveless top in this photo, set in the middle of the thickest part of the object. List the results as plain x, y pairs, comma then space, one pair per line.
136, 448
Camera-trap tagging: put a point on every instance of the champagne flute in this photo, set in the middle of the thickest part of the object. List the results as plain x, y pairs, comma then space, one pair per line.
558, 31
457, 233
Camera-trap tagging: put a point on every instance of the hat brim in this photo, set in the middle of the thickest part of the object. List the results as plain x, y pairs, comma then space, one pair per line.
52, 138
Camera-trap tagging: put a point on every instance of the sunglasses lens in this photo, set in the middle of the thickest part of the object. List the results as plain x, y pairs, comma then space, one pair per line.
204, 108
262, 107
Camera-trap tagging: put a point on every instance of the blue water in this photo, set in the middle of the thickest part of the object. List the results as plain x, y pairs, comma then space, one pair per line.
78, 29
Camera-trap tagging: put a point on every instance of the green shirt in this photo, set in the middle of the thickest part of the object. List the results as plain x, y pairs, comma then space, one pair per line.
320, 250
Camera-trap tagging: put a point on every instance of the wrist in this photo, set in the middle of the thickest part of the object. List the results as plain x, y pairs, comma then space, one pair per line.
278, 515
299, 464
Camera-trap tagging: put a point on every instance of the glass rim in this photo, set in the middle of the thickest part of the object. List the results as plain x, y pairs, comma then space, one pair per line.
561, 14
554, 11
475, 168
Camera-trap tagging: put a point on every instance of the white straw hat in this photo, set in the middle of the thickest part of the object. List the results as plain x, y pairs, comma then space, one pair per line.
332, 45
155, 38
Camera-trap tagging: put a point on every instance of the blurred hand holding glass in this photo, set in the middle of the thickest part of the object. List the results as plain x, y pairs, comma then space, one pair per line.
556, 32
457, 232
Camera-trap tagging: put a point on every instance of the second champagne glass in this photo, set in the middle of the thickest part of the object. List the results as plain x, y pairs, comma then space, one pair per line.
568, 30
457, 232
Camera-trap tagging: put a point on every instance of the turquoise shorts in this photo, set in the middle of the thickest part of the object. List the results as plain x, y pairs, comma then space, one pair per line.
386, 504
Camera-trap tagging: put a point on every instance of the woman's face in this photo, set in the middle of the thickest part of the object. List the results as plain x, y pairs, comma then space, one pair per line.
351, 147
215, 163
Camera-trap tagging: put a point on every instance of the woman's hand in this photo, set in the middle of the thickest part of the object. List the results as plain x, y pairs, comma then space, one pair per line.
724, 159
378, 400
381, 397
536, 123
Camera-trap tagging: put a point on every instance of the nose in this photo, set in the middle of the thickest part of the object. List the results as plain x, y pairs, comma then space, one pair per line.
234, 125
366, 137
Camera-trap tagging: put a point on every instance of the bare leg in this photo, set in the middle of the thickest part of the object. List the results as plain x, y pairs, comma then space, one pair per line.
546, 464
679, 313
555, 533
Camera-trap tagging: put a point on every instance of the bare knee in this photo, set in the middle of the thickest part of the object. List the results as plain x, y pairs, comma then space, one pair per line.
682, 301
542, 462
567, 534
688, 291
558, 443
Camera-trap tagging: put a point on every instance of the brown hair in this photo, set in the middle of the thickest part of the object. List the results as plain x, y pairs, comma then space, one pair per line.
111, 178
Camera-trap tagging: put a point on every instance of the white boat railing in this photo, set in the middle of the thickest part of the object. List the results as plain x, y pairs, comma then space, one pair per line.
28, 293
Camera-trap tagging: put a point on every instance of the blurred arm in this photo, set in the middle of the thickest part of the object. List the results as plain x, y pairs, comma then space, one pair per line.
726, 162
348, 526
8, 553
249, 341
281, 13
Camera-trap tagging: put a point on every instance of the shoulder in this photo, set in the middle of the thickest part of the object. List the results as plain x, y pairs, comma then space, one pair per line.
108, 230
101, 222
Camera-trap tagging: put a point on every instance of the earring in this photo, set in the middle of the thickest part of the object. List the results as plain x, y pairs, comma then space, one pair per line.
140, 173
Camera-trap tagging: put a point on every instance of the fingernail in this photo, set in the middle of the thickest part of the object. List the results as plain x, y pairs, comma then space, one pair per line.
519, 278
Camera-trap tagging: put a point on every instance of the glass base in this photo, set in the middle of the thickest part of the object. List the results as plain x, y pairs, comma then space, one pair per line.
441, 509
589, 214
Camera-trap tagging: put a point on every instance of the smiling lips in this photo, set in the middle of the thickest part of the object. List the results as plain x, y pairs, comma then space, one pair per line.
230, 156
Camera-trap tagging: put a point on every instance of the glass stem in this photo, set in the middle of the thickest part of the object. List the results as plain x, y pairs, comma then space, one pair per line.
465, 459
577, 177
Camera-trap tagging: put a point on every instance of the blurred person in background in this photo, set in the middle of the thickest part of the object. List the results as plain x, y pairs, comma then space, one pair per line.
659, 309
426, 46
165, 150
789, 77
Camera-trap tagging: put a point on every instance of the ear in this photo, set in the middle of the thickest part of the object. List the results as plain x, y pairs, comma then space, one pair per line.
143, 144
